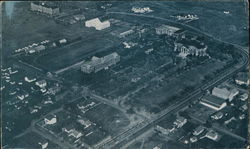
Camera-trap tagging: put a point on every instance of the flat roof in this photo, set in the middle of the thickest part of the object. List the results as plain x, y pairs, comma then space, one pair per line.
168, 27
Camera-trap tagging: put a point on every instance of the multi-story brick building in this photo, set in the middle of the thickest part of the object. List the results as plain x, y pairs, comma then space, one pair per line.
96, 64
44, 8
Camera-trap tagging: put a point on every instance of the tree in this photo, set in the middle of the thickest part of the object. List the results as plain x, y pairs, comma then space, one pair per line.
130, 111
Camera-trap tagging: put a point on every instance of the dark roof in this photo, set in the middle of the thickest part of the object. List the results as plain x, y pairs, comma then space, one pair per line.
213, 100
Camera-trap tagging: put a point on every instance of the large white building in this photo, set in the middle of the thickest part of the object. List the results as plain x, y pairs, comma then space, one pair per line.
97, 24
213, 102
96, 64
224, 93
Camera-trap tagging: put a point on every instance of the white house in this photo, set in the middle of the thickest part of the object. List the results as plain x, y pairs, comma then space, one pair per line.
27, 79
41, 83
211, 134
242, 79
50, 120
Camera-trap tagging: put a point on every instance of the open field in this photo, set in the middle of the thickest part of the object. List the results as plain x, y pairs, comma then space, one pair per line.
228, 27
111, 119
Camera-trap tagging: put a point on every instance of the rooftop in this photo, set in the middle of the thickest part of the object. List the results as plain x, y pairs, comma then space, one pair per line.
47, 5
213, 100
221, 92
96, 60
172, 28
68, 128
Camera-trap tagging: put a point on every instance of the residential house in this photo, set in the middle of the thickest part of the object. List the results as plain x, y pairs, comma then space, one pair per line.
198, 130
96, 64
50, 119
68, 128
217, 115
44, 144
76, 134
244, 97
41, 83
211, 134
180, 121
242, 78
29, 79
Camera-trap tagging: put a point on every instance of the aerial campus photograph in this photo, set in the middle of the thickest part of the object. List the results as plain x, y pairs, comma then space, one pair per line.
124, 74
